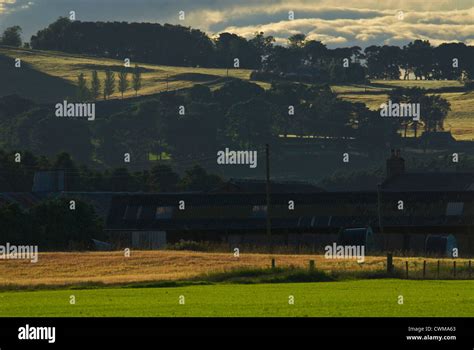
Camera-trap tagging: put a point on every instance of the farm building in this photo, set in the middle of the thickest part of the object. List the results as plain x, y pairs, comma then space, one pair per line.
432, 203
218, 215
402, 213
400, 180
259, 186
441, 244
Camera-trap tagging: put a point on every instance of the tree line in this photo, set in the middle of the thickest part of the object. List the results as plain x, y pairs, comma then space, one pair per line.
51, 225
107, 87
18, 176
239, 114
183, 46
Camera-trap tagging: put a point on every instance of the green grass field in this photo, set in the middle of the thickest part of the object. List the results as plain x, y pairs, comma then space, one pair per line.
324, 299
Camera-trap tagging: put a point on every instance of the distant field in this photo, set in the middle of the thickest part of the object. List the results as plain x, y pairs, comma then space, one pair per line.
425, 84
460, 119
53, 75
62, 269
324, 299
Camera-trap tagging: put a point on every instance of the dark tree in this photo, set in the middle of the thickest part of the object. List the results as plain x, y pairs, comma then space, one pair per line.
123, 82
11, 36
136, 79
109, 83
83, 92
58, 225
162, 178
197, 179
95, 85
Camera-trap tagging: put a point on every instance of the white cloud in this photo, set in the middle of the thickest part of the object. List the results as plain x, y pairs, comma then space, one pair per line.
5, 5
382, 27
335, 22
9, 6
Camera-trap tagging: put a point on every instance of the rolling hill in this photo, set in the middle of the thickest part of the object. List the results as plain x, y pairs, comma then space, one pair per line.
32, 83
49, 76
54, 71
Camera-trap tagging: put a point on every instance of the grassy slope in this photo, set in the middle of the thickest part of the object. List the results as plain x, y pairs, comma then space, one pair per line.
353, 298
67, 67
114, 268
32, 83
460, 119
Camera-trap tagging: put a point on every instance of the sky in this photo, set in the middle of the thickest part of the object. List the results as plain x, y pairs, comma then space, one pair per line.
336, 23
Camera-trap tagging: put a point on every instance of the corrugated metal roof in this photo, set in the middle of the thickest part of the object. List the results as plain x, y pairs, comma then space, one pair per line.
430, 181
362, 206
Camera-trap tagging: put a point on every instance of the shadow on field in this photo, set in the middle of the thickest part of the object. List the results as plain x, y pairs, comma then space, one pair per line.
32, 84
115, 68
199, 77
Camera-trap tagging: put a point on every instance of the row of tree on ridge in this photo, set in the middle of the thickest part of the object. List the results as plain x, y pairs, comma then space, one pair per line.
183, 46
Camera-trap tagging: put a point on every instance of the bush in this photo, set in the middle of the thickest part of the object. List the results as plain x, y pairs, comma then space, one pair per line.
469, 85
190, 245
56, 226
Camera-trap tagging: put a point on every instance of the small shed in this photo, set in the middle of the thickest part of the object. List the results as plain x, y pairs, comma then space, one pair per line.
442, 245
362, 236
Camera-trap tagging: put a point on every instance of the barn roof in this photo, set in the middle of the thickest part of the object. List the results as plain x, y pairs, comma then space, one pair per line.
323, 210
259, 186
430, 181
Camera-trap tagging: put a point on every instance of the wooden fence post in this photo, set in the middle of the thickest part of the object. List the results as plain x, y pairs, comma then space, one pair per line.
311, 265
424, 268
273, 263
454, 268
437, 273
389, 262
406, 266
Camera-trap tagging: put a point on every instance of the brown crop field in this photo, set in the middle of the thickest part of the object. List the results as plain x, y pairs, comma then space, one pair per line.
63, 269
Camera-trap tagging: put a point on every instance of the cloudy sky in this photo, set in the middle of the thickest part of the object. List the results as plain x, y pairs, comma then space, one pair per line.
334, 22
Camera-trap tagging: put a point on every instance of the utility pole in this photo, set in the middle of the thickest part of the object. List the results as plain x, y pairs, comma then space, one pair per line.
267, 157
379, 208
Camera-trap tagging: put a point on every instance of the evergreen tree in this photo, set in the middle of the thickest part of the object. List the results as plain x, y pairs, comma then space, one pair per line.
95, 85
123, 82
109, 83
137, 80
11, 36
82, 90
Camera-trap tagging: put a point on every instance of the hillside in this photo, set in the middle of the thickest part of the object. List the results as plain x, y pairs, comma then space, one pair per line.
32, 83
51, 69
49, 76
460, 120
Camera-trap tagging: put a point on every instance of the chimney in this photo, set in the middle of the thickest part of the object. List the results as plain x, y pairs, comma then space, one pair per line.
395, 164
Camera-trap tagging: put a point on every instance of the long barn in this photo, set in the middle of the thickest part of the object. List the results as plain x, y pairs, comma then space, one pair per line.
210, 216
403, 212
